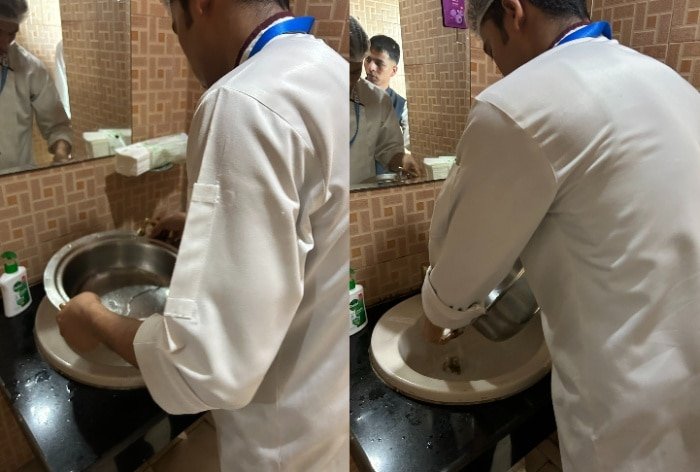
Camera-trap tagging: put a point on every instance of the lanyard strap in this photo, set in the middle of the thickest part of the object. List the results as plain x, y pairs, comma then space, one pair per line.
589, 31
4, 77
302, 24
357, 121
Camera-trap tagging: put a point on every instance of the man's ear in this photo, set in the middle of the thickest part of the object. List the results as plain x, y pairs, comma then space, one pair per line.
201, 7
514, 13
394, 70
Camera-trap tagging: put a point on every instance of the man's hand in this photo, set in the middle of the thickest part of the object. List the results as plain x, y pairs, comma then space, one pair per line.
411, 166
437, 335
76, 324
169, 227
61, 151
431, 332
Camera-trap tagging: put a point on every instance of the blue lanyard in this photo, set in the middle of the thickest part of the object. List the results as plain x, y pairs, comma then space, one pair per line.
4, 77
301, 24
589, 31
357, 121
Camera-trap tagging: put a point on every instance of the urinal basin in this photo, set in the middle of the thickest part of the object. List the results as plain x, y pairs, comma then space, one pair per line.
468, 369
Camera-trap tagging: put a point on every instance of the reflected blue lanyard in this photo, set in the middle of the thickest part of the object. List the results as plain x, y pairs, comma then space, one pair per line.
589, 31
357, 121
301, 24
4, 77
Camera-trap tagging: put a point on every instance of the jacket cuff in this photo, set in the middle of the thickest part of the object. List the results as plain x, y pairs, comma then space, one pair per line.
165, 384
443, 315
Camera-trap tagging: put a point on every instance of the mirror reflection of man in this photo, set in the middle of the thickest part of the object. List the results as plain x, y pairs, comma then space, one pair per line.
381, 64
26, 91
375, 134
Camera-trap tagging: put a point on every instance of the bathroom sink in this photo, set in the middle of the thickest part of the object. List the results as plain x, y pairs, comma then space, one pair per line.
130, 274
468, 369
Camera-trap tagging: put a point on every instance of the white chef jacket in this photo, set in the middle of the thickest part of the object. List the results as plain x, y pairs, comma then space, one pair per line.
255, 325
587, 161
379, 135
29, 91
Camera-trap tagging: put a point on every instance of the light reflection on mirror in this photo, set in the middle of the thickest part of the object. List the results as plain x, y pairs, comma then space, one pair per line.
95, 87
383, 18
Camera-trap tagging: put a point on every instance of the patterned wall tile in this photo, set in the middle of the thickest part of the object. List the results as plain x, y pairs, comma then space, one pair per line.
97, 55
483, 70
331, 20
389, 238
164, 91
42, 211
437, 76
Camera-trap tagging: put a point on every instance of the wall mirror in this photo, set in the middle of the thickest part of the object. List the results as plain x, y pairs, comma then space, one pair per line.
384, 17
94, 40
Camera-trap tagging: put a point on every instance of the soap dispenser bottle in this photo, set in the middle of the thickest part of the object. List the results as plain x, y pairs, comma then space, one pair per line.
15, 289
358, 315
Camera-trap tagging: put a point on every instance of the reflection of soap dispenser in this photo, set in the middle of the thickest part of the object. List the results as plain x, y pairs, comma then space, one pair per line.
358, 316
15, 289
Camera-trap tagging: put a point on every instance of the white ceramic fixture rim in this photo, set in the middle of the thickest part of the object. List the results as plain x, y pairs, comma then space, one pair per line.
389, 366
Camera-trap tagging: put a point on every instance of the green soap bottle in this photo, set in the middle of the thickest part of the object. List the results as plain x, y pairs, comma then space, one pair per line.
358, 315
13, 283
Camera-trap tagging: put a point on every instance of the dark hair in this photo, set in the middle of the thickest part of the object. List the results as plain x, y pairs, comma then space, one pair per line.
188, 16
385, 44
553, 8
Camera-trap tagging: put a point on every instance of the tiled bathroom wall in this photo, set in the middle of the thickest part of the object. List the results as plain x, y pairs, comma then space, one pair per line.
436, 63
96, 50
389, 238
382, 17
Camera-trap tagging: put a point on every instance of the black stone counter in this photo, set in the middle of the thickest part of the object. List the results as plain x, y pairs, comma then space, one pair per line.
393, 433
71, 426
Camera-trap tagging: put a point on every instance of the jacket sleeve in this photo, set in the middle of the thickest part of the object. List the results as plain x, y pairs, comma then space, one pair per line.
51, 117
389, 138
494, 199
238, 279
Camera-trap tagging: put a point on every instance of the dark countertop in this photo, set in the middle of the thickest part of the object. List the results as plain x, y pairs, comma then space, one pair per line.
71, 426
390, 432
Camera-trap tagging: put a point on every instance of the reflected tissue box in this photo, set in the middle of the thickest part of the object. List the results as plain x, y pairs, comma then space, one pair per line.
138, 158
438, 167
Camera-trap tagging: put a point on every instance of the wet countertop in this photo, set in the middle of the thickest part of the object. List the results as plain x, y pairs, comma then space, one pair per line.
393, 433
71, 426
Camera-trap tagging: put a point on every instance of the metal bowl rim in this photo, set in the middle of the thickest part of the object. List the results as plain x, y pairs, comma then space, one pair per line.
56, 294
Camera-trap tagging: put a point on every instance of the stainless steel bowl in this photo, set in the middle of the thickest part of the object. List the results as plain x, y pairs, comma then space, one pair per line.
130, 273
508, 307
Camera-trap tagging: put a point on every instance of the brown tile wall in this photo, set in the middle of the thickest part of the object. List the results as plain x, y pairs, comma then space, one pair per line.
382, 17
389, 238
39, 34
668, 30
437, 78
331, 20
96, 48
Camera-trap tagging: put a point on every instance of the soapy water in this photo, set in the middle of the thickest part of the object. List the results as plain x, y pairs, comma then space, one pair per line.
129, 292
136, 301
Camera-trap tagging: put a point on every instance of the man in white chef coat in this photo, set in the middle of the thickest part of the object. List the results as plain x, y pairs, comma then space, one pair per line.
255, 326
26, 92
584, 160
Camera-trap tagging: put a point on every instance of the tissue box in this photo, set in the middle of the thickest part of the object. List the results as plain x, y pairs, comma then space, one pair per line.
138, 158
437, 168
105, 142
